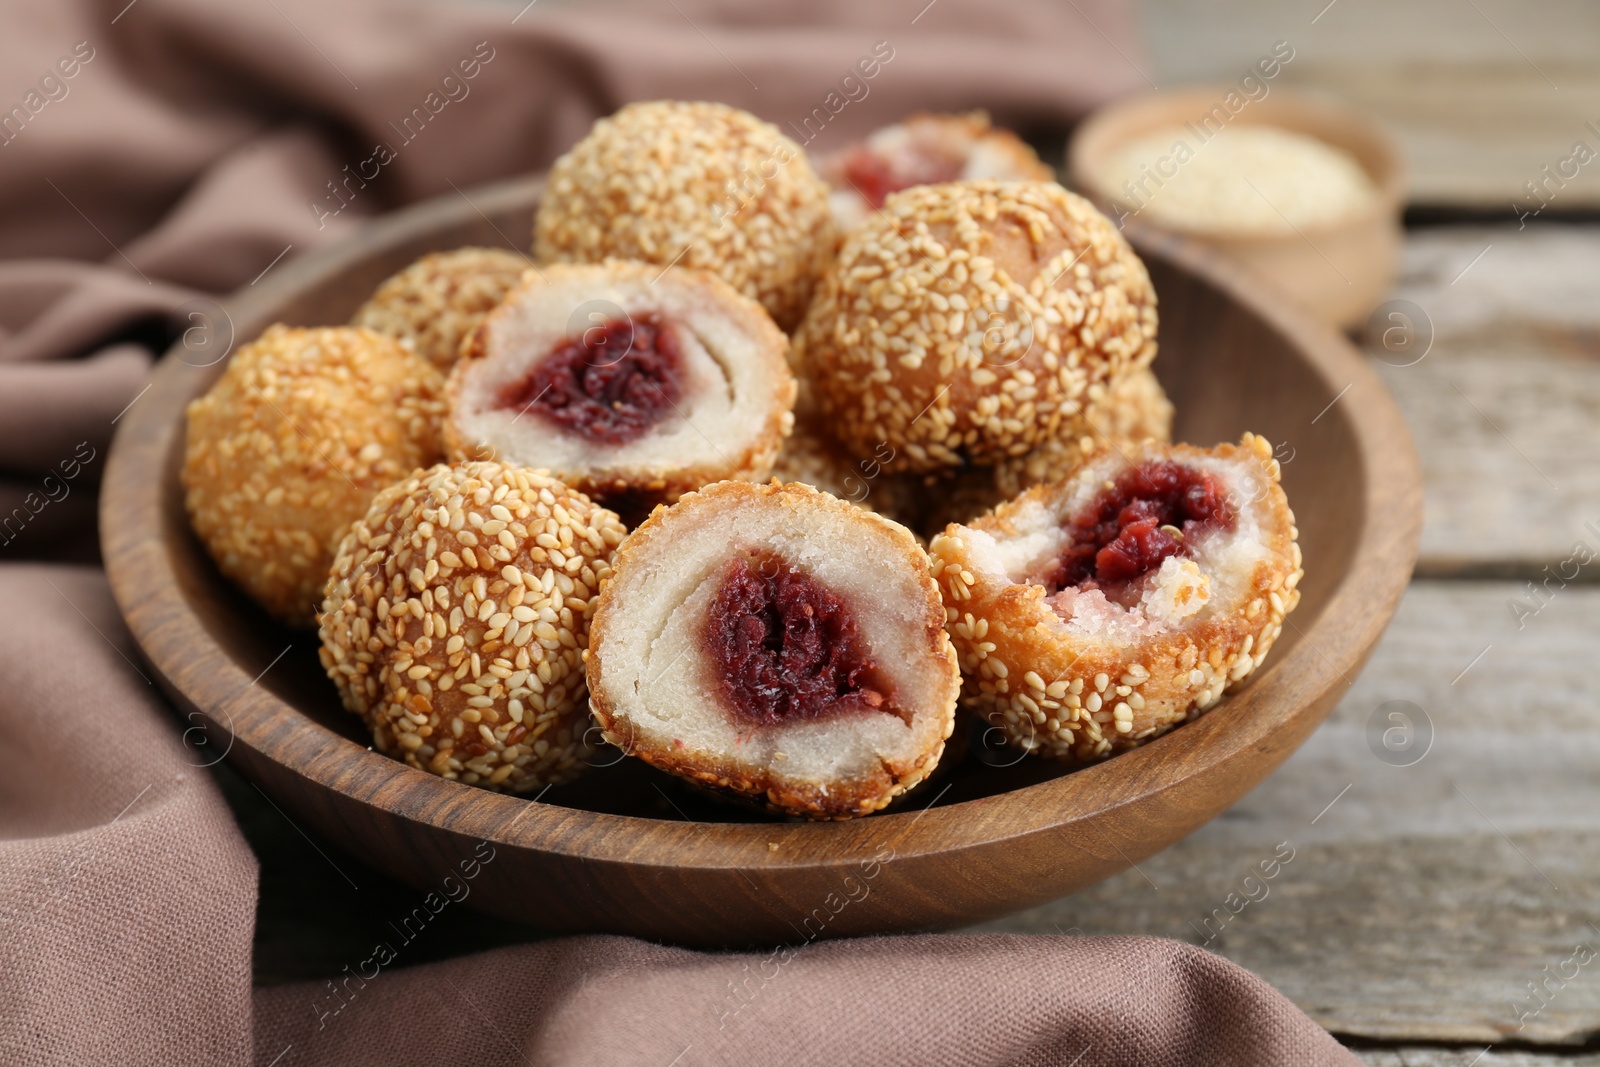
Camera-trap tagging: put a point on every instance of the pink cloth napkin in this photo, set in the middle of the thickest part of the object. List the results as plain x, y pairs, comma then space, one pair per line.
156, 150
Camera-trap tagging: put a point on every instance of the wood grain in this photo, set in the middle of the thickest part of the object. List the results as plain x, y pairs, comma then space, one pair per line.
1475, 135
1505, 403
604, 855
1420, 904
1472, 1056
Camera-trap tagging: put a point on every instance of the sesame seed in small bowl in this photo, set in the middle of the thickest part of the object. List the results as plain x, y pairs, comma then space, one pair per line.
1304, 193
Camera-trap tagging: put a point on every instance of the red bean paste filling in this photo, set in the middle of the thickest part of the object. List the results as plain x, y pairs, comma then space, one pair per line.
610, 385
875, 176
1150, 512
786, 648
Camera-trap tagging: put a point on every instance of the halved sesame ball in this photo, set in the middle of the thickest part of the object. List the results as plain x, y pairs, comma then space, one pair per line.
778, 644
966, 323
1097, 612
923, 149
629, 382
289, 446
455, 619
697, 184
438, 300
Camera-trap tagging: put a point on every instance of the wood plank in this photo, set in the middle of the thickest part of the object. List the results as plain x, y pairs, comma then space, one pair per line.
1474, 135
1420, 904
1505, 407
1480, 96
1190, 42
1471, 1056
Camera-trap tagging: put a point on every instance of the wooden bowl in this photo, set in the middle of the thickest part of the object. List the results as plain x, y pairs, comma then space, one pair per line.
628, 850
1340, 271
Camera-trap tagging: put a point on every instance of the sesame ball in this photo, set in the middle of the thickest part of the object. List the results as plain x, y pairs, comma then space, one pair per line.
699, 185
289, 446
436, 301
968, 322
456, 617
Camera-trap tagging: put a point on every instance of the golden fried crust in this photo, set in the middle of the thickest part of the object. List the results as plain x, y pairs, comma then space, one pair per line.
967, 323
637, 491
437, 301
1085, 699
839, 800
289, 446
698, 184
455, 618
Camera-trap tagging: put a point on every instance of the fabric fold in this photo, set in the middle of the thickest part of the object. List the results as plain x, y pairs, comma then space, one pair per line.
155, 155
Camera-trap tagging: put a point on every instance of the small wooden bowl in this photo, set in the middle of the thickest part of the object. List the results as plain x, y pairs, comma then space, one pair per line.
626, 849
1340, 271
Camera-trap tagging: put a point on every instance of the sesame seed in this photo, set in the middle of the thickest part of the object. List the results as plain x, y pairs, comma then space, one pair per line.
441, 654
887, 294
723, 191
1108, 695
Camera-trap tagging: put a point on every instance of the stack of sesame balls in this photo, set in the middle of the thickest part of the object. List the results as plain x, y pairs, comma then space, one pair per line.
952, 349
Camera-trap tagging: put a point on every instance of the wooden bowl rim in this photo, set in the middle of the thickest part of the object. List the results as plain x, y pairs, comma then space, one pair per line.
200, 676
1361, 135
